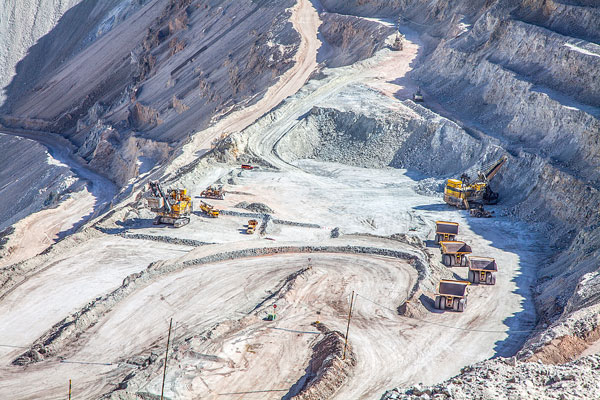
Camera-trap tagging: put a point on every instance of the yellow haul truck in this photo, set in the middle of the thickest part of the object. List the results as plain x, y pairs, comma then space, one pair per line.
172, 207
482, 270
209, 210
445, 231
252, 225
451, 295
454, 253
464, 193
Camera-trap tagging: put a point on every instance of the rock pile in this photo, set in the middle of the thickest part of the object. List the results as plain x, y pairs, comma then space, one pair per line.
506, 378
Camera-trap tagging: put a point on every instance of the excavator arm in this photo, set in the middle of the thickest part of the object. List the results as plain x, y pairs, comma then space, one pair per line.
157, 191
493, 170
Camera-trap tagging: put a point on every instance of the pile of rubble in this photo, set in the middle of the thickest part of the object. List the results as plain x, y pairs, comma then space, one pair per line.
507, 378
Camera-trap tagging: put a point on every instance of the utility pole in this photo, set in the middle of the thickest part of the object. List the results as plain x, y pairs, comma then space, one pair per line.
348, 327
162, 391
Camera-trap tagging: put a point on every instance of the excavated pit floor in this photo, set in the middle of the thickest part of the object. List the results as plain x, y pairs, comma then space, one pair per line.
356, 200
391, 350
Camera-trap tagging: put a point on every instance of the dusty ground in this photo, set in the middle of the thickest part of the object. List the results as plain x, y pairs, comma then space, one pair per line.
222, 348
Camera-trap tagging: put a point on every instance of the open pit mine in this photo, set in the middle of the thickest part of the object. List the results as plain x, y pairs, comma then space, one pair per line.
299, 199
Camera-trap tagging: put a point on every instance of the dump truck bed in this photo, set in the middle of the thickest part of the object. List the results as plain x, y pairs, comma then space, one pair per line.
483, 264
446, 227
455, 247
453, 288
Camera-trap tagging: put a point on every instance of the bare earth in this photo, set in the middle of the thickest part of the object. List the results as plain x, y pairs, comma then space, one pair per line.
222, 348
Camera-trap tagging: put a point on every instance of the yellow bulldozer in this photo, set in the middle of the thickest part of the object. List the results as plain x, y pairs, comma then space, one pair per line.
467, 194
172, 207
213, 192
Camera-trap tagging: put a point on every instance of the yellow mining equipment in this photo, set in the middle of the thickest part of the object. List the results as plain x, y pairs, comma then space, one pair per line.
212, 192
454, 253
172, 207
252, 225
209, 210
482, 270
445, 231
452, 295
464, 193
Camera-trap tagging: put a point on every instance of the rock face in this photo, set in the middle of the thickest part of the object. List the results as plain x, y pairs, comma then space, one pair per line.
508, 379
378, 132
31, 178
22, 23
129, 71
348, 39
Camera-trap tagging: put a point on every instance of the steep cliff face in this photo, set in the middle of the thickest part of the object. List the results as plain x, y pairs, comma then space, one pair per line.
22, 23
348, 39
31, 179
155, 70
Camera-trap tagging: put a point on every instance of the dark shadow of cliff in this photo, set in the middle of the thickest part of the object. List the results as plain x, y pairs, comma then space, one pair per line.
67, 38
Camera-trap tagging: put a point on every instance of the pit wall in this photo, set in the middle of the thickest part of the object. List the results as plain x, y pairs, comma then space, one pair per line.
379, 134
168, 68
524, 72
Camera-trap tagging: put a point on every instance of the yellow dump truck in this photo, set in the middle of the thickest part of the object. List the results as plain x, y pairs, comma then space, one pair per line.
451, 295
453, 253
209, 210
482, 270
445, 231
252, 225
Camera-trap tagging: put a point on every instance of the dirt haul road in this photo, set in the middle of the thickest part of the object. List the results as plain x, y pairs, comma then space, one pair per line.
385, 72
222, 348
306, 22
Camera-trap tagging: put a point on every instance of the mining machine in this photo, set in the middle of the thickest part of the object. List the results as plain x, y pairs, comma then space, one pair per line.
468, 194
172, 207
398, 44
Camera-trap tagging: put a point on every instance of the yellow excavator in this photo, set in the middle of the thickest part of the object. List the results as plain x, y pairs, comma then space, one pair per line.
172, 207
471, 195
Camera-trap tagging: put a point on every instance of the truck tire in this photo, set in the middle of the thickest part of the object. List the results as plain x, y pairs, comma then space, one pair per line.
476, 275
437, 302
451, 238
471, 276
442, 303
463, 261
493, 280
455, 304
488, 278
437, 238
461, 305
